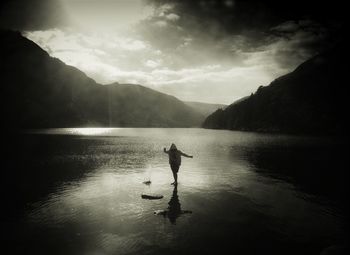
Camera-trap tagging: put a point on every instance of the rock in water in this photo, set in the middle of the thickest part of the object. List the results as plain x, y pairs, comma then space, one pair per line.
151, 197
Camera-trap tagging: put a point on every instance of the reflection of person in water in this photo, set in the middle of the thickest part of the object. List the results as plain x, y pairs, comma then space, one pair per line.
174, 206
174, 209
175, 160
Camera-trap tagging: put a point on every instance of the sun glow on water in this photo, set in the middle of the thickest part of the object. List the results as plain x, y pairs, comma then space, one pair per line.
89, 131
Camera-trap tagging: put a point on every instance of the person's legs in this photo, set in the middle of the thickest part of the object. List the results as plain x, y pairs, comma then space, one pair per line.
175, 177
174, 169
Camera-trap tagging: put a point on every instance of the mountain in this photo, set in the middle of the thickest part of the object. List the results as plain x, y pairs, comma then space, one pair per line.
205, 109
135, 105
39, 91
311, 100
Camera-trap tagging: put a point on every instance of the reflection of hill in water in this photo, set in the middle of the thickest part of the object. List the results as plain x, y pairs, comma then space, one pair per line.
38, 164
318, 169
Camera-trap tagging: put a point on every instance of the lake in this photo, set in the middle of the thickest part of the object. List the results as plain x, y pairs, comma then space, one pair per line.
78, 191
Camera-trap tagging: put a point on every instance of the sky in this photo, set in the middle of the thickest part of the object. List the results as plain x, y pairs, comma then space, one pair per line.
213, 51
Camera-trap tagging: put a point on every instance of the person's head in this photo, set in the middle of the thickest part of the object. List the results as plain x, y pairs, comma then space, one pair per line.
173, 147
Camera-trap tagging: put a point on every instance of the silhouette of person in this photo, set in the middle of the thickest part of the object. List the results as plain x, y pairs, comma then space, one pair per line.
174, 209
175, 160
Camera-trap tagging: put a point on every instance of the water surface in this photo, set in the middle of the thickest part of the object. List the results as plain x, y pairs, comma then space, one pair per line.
78, 191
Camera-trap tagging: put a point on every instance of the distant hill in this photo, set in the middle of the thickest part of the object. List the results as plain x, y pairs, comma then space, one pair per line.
39, 91
312, 100
205, 108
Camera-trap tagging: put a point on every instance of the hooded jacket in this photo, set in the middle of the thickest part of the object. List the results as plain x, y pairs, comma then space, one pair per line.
175, 155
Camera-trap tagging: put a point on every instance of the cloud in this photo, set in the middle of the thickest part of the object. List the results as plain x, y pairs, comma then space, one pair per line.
152, 63
160, 23
201, 81
184, 48
90, 15
172, 17
296, 41
132, 45
286, 27
111, 58
214, 21
93, 53
187, 69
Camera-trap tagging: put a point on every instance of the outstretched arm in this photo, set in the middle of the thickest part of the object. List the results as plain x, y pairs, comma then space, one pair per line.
185, 155
165, 151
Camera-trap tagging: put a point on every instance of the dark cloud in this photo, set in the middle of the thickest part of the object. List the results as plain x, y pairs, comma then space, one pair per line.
308, 25
212, 22
239, 15
31, 14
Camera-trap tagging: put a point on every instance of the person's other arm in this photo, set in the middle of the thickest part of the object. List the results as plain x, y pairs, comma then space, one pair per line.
165, 151
185, 155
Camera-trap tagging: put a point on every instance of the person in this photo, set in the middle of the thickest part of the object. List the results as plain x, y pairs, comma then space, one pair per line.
175, 160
